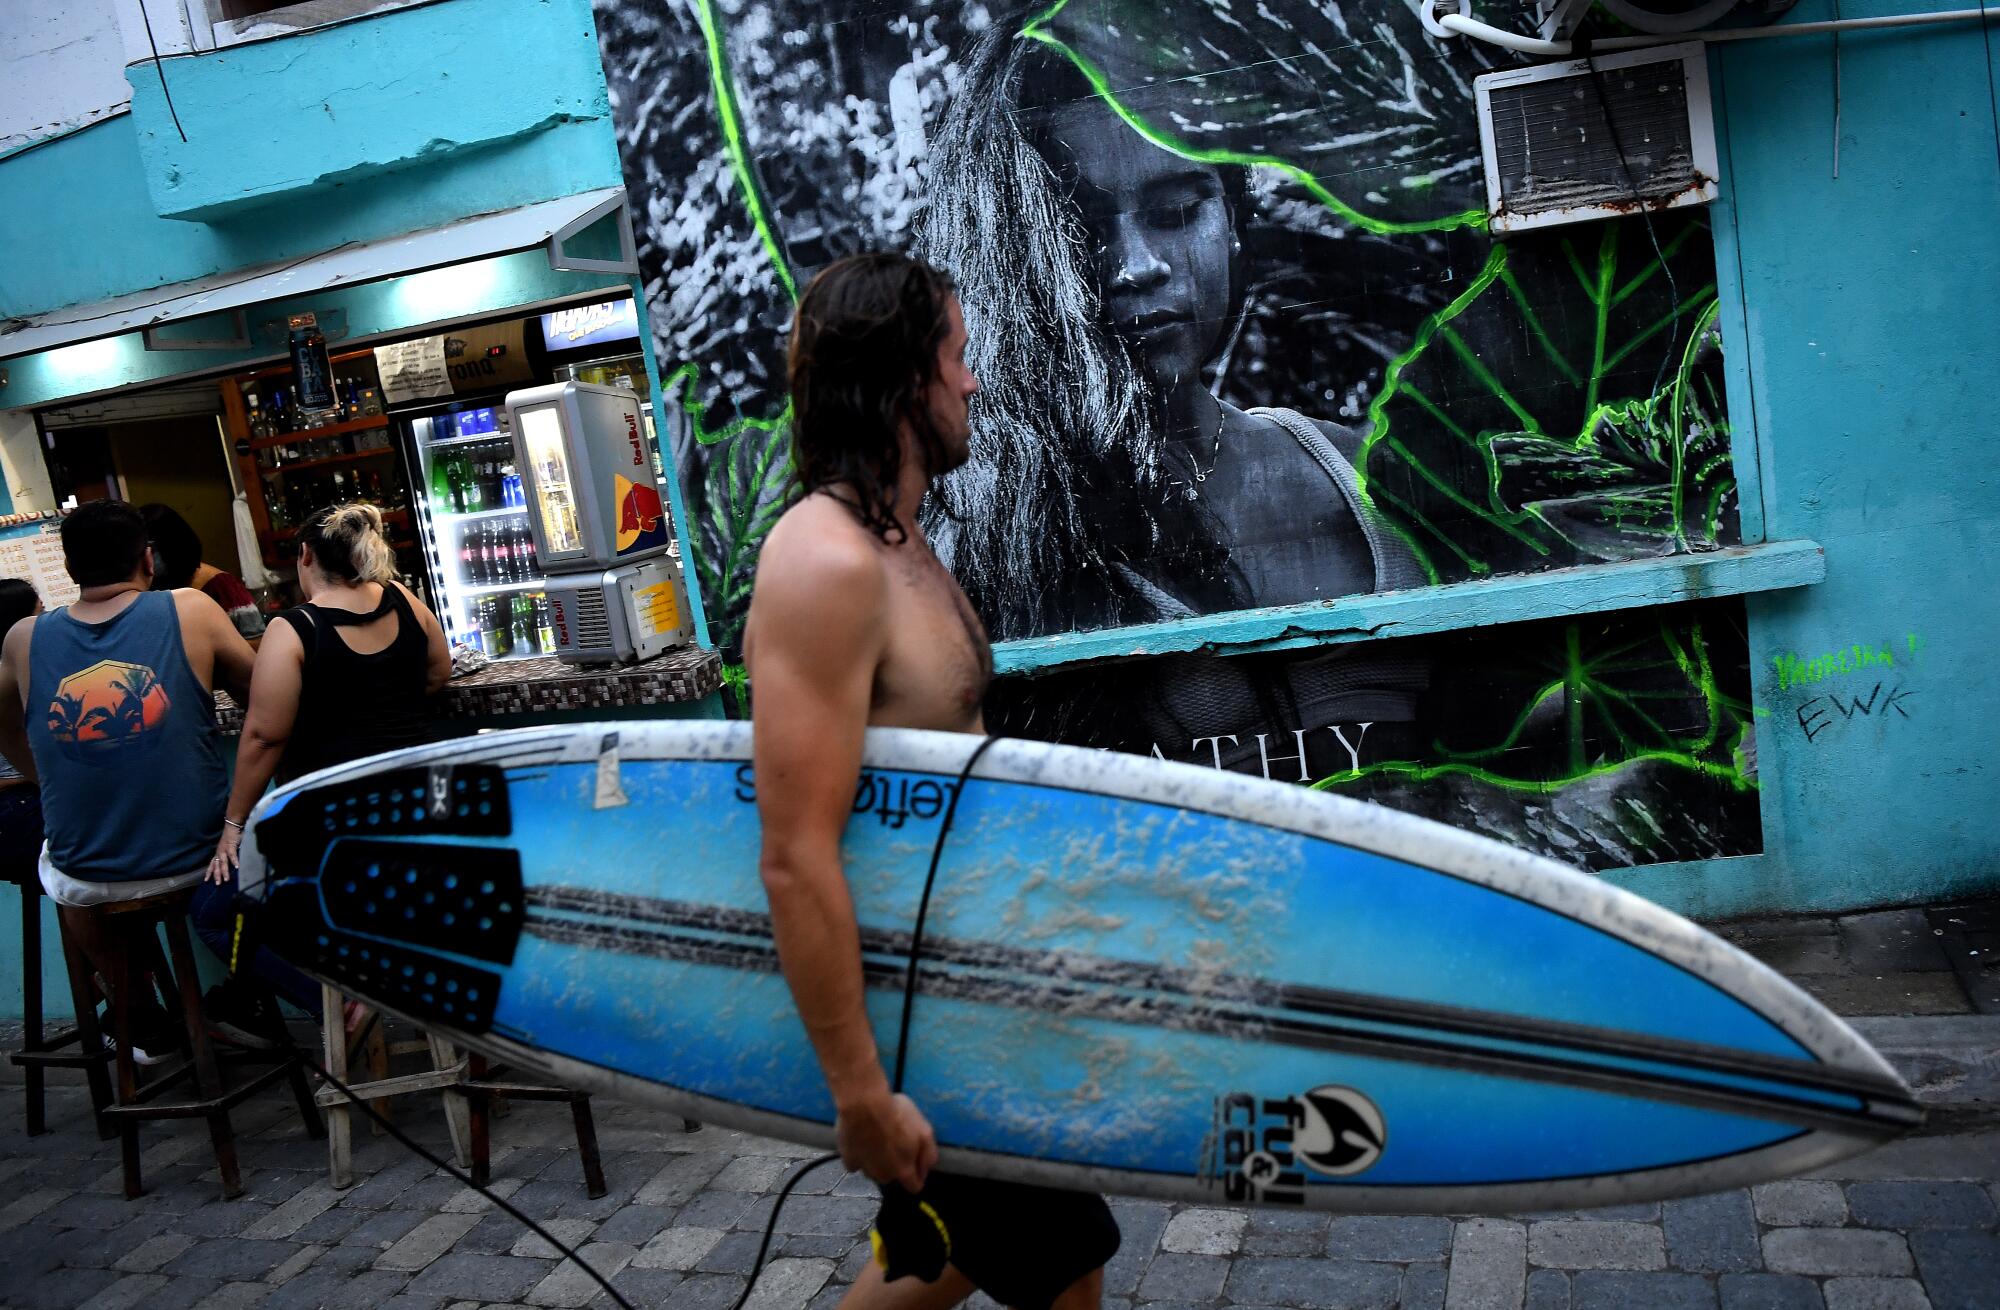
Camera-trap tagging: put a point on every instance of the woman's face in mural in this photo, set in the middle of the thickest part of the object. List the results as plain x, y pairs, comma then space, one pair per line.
1161, 234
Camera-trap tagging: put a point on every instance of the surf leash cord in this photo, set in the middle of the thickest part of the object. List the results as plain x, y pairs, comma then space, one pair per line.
909, 1004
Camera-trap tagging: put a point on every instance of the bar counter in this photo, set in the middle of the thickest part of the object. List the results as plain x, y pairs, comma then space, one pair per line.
513, 693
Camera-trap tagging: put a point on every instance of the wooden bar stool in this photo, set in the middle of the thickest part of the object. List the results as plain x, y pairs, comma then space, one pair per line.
40, 1049
484, 1084
128, 932
446, 1071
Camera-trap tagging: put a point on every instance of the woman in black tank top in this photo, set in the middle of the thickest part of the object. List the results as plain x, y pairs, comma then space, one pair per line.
349, 673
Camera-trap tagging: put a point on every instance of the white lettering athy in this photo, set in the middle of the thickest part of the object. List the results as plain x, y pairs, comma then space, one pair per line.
1354, 751
1214, 745
1299, 740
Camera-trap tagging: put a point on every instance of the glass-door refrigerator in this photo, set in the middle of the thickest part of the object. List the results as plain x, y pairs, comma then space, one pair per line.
472, 521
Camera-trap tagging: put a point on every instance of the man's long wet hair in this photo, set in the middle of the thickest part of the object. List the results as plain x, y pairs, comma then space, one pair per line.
864, 352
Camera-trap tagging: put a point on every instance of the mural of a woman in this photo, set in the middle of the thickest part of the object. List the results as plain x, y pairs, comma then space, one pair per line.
1101, 278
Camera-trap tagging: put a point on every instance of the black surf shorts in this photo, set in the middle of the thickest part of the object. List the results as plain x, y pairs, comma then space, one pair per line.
1021, 1245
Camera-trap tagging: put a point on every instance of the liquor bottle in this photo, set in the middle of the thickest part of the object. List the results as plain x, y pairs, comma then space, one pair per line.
530, 566
523, 632
492, 628
256, 415
468, 556
545, 624
351, 390
503, 553
475, 495
441, 502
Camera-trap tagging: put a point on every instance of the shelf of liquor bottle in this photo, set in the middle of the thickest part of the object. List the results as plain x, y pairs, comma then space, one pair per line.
363, 424
474, 516
398, 517
325, 460
477, 438
494, 588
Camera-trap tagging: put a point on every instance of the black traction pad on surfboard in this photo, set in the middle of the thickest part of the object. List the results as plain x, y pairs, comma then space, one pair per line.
463, 899
464, 800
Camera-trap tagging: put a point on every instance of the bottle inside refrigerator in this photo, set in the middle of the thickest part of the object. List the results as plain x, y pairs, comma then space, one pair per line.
487, 578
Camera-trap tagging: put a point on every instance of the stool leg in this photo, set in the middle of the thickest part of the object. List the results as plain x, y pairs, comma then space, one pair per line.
208, 1078
457, 1117
586, 1145
118, 981
271, 1022
90, 1038
482, 1138
333, 1039
31, 1000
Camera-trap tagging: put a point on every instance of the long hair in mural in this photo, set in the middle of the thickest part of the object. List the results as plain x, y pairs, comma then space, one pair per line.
1243, 342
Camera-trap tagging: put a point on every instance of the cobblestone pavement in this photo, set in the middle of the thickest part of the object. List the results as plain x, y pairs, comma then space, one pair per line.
1915, 1224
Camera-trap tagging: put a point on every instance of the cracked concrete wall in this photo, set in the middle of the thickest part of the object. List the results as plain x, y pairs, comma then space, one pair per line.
316, 112
61, 67
451, 117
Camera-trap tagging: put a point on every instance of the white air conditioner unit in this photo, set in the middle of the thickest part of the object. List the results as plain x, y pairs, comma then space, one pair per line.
1553, 157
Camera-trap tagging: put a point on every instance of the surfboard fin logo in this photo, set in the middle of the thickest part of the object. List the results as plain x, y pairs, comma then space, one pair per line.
1342, 1134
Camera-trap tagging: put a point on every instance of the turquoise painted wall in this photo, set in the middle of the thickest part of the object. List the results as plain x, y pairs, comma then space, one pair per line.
520, 115
1871, 314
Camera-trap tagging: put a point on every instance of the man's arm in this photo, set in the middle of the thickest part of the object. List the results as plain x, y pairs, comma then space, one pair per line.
206, 627
13, 691
815, 637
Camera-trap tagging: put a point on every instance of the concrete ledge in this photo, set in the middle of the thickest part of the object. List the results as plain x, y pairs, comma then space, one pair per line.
1518, 598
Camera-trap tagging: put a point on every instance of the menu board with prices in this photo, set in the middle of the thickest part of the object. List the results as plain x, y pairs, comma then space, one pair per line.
38, 559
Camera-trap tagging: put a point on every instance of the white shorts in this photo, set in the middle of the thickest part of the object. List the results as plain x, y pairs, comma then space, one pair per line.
65, 890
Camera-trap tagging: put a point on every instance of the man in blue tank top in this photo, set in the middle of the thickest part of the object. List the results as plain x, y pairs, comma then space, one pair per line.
109, 703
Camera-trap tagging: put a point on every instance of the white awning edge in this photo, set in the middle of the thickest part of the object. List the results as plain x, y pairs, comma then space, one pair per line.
545, 224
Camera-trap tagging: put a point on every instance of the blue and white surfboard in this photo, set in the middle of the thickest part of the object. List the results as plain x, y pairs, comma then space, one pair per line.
1137, 977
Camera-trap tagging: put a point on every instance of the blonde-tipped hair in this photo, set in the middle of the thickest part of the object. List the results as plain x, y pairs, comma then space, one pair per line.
348, 543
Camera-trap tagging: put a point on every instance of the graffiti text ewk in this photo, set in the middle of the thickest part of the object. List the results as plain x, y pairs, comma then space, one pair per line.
1816, 717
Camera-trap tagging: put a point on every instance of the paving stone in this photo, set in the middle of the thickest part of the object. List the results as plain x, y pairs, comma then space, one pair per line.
1588, 1244
58, 1289
481, 1277
1598, 1289
1817, 953
734, 1254
1285, 1232
1768, 1292
1921, 1205
857, 1259
679, 1179
1141, 1225
1889, 993
1800, 1203
129, 1291
1314, 1284
1714, 1234
468, 1201
789, 1284
1548, 1289
1203, 1231
635, 1225
1960, 1269
1398, 1238
28, 1250
678, 1248
645, 1287
184, 1294
570, 1232
295, 1212
220, 1218
425, 1243
494, 1234
1423, 1287
237, 1296
336, 1289
88, 1210
854, 1184
294, 1264
1892, 941
569, 1284
1875, 1294
102, 1250
333, 1226
755, 1216
826, 1214
752, 1173
1489, 1265
808, 1245
705, 1292
718, 1210
153, 1252
1174, 1276
382, 1231
385, 1185
1824, 1252
231, 1259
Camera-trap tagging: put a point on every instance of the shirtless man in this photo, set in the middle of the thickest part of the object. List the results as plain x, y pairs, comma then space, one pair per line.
855, 624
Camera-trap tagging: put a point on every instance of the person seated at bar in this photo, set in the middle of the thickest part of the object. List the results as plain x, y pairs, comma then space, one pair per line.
178, 549
109, 705
349, 673
20, 800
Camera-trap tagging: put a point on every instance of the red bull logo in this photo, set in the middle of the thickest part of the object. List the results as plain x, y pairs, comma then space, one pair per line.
641, 516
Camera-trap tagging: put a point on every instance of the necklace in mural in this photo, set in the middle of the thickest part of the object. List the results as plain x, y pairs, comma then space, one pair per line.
1214, 455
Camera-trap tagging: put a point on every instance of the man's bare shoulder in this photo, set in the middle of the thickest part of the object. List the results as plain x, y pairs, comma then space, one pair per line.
818, 546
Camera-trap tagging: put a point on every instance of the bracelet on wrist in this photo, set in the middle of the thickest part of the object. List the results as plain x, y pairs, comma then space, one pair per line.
233, 823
